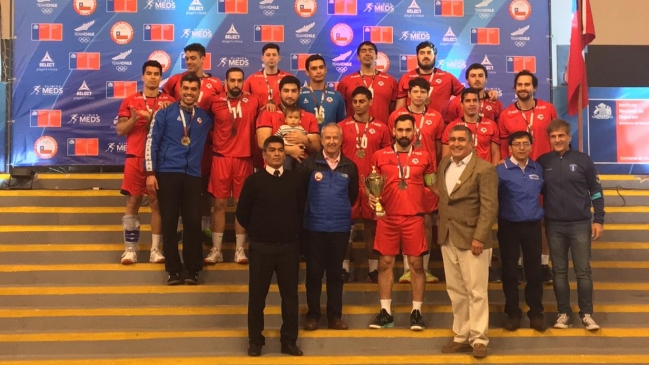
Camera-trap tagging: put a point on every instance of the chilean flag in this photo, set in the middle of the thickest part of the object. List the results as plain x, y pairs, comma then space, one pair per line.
582, 34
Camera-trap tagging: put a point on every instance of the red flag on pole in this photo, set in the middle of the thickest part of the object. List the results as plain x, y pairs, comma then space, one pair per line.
582, 34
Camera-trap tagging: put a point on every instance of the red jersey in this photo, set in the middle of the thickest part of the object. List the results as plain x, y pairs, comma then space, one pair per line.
489, 109
534, 121
275, 119
415, 165
370, 137
265, 86
485, 132
383, 87
136, 137
234, 124
210, 86
428, 129
443, 85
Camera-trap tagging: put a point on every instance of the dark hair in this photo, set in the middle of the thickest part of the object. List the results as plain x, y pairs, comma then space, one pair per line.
313, 57
469, 90
557, 124
272, 139
519, 134
425, 44
233, 69
151, 63
195, 47
290, 79
190, 77
366, 43
535, 81
403, 118
291, 109
362, 90
268, 46
476, 66
418, 81
462, 128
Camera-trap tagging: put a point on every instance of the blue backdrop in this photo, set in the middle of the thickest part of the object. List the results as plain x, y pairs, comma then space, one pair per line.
76, 59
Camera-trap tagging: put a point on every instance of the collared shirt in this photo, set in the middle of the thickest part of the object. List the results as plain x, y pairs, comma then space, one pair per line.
454, 172
515, 162
332, 162
271, 170
519, 188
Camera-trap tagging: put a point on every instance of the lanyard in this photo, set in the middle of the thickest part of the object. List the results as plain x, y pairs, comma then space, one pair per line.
477, 130
234, 113
146, 104
430, 79
363, 78
401, 168
421, 121
322, 98
182, 118
361, 141
530, 122
270, 90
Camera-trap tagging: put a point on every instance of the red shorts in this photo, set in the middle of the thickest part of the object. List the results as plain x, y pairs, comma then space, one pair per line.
228, 175
361, 207
391, 231
431, 201
206, 159
134, 182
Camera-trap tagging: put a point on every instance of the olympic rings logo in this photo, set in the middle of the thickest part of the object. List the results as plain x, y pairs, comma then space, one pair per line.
341, 69
47, 10
269, 12
520, 43
84, 39
484, 15
121, 68
305, 41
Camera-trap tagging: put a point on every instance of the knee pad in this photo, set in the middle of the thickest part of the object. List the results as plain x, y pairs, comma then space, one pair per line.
131, 224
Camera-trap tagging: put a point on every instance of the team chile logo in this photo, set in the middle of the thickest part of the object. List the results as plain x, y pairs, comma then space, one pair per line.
121, 32
84, 7
520, 9
305, 8
341, 34
45, 147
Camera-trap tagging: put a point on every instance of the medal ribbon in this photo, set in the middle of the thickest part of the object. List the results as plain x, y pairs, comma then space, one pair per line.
421, 121
270, 90
146, 104
363, 78
477, 130
182, 118
322, 98
234, 113
360, 139
401, 168
430, 79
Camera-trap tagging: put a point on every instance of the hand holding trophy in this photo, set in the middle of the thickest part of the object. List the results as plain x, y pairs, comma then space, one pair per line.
374, 183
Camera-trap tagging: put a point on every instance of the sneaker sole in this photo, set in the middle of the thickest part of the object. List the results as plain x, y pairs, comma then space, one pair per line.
377, 327
417, 328
128, 262
161, 261
175, 282
191, 282
242, 262
563, 327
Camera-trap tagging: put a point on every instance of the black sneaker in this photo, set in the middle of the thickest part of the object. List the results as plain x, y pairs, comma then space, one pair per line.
521, 274
494, 275
383, 320
546, 274
346, 276
192, 278
416, 321
174, 279
373, 276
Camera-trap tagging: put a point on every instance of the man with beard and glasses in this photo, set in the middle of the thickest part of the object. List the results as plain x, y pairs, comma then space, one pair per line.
235, 115
531, 115
269, 122
408, 171
443, 85
327, 104
476, 76
382, 86
428, 133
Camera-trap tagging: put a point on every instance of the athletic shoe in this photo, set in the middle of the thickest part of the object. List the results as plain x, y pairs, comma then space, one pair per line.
192, 278
156, 256
347, 278
564, 321
174, 279
240, 256
373, 276
405, 278
589, 323
129, 257
546, 274
513, 323
416, 321
494, 275
430, 278
382, 320
538, 323
213, 257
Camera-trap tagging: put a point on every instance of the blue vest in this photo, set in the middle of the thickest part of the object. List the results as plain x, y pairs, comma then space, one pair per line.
328, 208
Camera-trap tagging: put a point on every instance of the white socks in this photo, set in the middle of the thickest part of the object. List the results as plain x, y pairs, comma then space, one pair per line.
156, 242
416, 305
386, 304
346, 265
217, 240
545, 259
240, 239
373, 264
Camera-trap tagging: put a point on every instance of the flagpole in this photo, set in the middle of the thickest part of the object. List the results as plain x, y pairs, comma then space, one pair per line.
580, 103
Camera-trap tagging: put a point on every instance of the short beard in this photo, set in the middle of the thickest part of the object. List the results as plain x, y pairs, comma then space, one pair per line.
404, 142
235, 92
426, 67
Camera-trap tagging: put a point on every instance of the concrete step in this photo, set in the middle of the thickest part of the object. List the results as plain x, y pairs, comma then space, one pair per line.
56, 181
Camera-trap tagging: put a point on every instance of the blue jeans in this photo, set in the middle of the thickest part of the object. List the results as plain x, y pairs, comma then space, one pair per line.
574, 237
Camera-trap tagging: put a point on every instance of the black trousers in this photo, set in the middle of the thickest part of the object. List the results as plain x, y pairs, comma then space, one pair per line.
264, 259
325, 251
181, 192
512, 237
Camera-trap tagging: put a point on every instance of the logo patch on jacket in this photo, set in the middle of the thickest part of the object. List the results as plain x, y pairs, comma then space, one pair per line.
572, 167
534, 177
318, 176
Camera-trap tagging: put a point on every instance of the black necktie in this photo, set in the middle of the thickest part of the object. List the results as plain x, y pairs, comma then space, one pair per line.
276, 173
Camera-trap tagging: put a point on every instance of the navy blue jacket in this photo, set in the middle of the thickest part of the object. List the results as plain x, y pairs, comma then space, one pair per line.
571, 187
330, 193
519, 191
163, 151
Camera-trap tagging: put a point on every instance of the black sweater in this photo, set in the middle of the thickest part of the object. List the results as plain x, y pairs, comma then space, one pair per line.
271, 208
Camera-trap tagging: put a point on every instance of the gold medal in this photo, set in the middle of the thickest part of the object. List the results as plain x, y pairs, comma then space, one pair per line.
417, 143
233, 131
320, 118
403, 185
360, 153
185, 141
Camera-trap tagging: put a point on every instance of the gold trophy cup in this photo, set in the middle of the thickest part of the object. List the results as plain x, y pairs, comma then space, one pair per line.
374, 183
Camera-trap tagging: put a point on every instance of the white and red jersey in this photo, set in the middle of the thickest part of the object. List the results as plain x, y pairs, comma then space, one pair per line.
487, 108
210, 86
370, 137
414, 165
429, 127
485, 132
535, 121
443, 85
136, 137
383, 87
235, 124
265, 86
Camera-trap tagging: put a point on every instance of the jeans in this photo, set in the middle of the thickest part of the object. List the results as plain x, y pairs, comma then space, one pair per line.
574, 237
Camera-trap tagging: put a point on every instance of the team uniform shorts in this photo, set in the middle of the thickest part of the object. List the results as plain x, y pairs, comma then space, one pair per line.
134, 182
228, 175
400, 234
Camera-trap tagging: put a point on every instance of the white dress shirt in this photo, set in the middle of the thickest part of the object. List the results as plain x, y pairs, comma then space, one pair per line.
454, 172
271, 170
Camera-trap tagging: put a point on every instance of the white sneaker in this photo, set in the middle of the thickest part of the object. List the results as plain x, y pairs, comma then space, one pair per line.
563, 321
240, 256
213, 257
129, 257
589, 323
157, 257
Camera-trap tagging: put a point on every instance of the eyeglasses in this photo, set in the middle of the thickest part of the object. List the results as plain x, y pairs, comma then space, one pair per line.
521, 144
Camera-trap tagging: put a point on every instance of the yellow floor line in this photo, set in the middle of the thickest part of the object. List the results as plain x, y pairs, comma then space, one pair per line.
270, 310
352, 333
620, 245
612, 192
60, 193
622, 177
433, 358
97, 176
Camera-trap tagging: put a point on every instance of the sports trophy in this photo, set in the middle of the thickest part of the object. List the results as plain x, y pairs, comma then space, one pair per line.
374, 183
